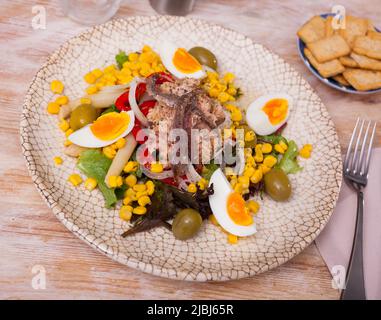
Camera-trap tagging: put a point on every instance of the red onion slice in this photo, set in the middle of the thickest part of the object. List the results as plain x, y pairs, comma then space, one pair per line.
158, 176
192, 174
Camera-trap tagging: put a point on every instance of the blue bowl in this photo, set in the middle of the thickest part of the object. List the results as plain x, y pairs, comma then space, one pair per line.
329, 81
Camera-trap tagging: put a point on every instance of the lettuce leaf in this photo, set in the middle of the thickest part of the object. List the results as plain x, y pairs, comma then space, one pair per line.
95, 165
121, 58
288, 163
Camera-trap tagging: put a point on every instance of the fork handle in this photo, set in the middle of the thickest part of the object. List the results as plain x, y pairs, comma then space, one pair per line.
355, 287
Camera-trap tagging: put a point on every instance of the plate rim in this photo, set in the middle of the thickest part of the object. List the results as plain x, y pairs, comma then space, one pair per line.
170, 273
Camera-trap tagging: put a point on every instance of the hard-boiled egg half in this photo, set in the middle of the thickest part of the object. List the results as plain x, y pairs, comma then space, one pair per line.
179, 62
104, 131
268, 113
229, 207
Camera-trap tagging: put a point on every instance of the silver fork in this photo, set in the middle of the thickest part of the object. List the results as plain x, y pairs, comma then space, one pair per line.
356, 167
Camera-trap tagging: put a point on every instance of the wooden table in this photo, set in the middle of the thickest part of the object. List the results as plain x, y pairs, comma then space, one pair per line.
31, 235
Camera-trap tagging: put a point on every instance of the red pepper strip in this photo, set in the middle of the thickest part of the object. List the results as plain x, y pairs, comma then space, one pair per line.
144, 108
123, 104
171, 181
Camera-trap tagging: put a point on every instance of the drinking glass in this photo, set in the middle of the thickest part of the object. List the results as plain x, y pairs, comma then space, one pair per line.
90, 12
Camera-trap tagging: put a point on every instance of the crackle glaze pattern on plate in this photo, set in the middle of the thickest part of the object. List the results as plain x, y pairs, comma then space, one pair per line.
285, 229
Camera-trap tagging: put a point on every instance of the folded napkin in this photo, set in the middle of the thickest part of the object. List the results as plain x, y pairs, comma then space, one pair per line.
335, 241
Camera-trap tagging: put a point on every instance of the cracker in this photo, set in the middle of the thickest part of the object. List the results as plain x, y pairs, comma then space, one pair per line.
312, 30
368, 47
329, 31
354, 27
326, 69
374, 35
348, 62
329, 48
340, 79
371, 25
363, 79
366, 63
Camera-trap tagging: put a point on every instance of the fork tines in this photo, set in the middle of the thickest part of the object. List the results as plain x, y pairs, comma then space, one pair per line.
359, 151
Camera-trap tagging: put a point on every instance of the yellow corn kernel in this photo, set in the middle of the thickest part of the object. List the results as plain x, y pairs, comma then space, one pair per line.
232, 239
131, 166
238, 188
53, 108
283, 145
249, 172
146, 48
130, 193
109, 152
57, 160
278, 148
85, 101
257, 176
92, 89
125, 213
64, 125
213, 92
56, 86
250, 161
131, 180
139, 187
236, 115
144, 200
133, 56
267, 148
258, 157
264, 168
90, 78
120, 143
90, 184
192, 188
141, 194
229, 77
140, 210
244, 181
248, 152
304, 153
233, 182
127, 200
115, 181
156, 167
62, 100
97, 73
150, 187
270, 161
213, 219
223, 97
253, 206
202, 183
67, 143
75, 179
68, 132
249, 136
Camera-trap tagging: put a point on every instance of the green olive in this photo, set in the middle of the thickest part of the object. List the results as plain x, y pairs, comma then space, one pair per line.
204, 56
246, 128
186, 224
82, 116
277, 185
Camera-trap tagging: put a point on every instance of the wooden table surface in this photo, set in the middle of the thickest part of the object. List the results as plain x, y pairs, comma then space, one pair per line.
31, 235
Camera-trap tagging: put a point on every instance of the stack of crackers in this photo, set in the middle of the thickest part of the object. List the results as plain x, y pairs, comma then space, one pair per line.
351, 56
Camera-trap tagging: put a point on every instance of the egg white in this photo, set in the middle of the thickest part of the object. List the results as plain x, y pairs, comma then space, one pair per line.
84, 137
218, 204
258, 120
167, 51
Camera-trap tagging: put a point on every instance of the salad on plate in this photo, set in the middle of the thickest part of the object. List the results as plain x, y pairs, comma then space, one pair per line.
163, 136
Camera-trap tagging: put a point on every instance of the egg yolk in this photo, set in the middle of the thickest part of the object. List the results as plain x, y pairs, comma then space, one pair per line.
237, 210
111, 125
185, 62
276, 110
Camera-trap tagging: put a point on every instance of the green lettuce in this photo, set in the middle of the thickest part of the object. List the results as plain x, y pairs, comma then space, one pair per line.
288, 163
121, 58
95, 165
